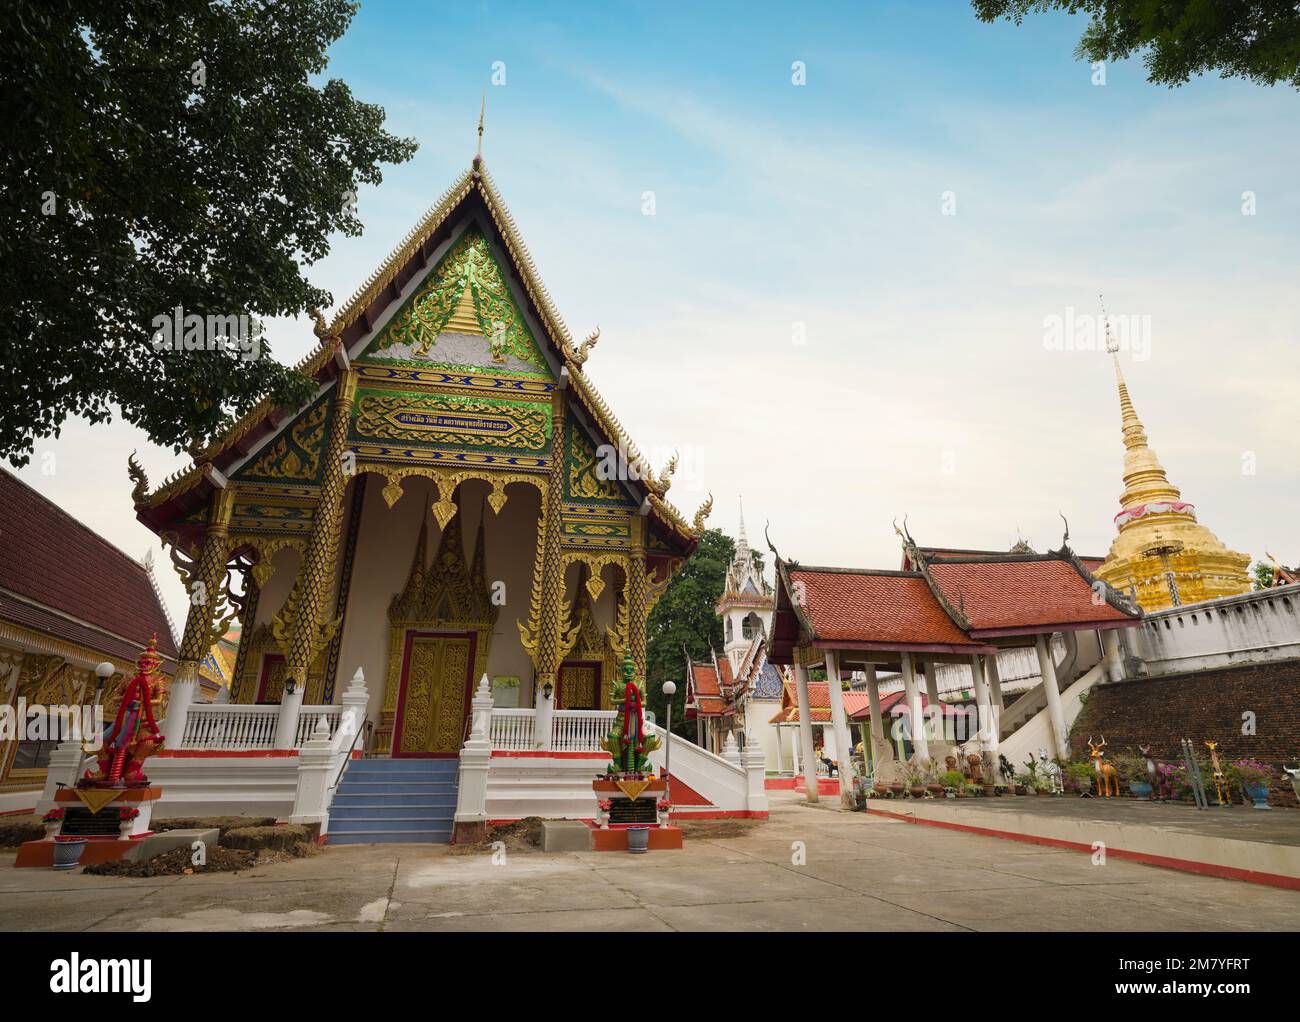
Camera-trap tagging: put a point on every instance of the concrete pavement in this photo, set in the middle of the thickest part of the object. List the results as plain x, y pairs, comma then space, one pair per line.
805, 869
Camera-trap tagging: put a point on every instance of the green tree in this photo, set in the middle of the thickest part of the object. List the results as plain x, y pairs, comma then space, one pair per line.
684, 622
165, 153
1263, 575
1254, 39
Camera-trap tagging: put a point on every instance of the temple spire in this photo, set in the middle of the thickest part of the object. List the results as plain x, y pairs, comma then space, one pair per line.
1144, 477
482, 109
1161, 554
742, 542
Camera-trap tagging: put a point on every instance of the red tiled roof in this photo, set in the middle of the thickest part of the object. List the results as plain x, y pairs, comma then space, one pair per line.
704, 687
53, 568
705, 680
724, 668
1031, 593
887, 607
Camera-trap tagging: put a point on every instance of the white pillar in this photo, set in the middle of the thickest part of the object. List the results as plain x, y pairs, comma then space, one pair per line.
840, 722
989, 721
805, 733
881, 751
286, 724
754, 762
356, 698
730, 750
994, 679
937, 718
470, 821
64, 767
920, 747
780, 765
183, 687
1054, 711
316, 767
1110, 648
544, 713
794, 748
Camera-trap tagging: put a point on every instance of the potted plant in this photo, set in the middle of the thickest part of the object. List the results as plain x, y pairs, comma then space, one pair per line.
1253, 778
952, 780
1079, 777
973, 790
126, 818
933, 785
915, 782
53, 820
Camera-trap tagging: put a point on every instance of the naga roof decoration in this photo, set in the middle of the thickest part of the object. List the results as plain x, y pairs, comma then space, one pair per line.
485, 286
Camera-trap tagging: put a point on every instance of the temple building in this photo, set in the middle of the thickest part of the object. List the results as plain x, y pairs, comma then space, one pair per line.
1163, 557
959, 609
70, 602
455, 501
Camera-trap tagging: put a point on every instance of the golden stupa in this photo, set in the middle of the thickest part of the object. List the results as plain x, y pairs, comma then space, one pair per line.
1163, 557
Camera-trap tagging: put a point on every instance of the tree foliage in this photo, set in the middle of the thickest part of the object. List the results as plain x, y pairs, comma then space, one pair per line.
1258, 40
1262, 575
684, 621
165, 153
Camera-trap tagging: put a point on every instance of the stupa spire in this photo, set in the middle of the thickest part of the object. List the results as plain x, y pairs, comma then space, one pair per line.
1162, 555
1144, 477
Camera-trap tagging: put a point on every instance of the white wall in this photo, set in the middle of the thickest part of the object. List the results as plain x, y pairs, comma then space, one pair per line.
1250, 628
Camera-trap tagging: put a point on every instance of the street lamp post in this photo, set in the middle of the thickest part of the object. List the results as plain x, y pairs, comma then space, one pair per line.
670, 689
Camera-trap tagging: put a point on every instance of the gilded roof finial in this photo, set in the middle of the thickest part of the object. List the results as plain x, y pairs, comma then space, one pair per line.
478, 153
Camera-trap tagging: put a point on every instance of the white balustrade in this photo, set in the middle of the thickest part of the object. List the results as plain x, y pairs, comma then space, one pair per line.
307, 718
515, 730
239, 728
512, 730
580, 730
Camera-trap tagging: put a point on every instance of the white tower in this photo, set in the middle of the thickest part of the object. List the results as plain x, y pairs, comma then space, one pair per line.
746, 604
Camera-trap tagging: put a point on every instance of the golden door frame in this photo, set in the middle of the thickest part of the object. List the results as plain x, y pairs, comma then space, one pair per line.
447, 599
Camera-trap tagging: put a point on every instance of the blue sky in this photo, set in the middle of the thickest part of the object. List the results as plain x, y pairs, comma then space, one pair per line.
922, 385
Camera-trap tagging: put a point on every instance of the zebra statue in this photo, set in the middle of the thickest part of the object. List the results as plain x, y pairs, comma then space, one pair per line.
1052, 771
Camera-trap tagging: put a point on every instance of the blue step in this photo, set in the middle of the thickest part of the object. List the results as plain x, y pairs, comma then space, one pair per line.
386, 801
393, 837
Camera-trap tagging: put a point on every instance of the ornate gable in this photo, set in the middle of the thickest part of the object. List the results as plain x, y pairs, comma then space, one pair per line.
461, 316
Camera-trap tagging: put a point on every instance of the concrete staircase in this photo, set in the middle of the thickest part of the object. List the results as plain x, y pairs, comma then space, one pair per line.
394, 801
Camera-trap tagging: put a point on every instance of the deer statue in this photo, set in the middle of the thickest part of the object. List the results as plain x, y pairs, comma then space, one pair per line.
1153, 777
1221, 789
1052, 771
1107, 778
1294, 774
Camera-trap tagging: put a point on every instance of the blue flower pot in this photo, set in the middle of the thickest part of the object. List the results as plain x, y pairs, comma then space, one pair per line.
1259, 795
1140, 789
638, 840
67, 852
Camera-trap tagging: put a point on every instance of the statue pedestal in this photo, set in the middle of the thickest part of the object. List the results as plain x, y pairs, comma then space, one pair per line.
623, 804
108, 836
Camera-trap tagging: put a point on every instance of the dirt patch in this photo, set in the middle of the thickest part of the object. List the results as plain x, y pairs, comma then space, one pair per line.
180, 862
222, 823
177, 862
521, 836
716, 828
14, 830
272, 838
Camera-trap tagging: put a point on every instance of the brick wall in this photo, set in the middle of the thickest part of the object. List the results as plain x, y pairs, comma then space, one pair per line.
1200, 706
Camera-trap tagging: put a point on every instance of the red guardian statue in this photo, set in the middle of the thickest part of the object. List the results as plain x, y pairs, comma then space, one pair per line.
133, 735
